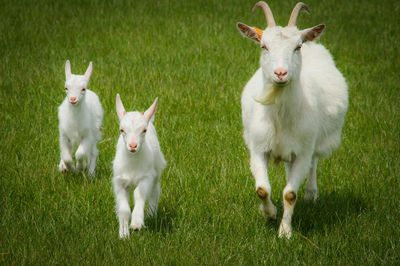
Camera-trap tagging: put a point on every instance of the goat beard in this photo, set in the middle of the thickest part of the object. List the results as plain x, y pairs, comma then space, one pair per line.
269, 95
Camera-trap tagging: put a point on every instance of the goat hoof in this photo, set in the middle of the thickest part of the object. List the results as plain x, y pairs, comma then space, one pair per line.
310, 195
137, 225
80, 166
137, 228
124, 233
285, 230
62, 167
269, 212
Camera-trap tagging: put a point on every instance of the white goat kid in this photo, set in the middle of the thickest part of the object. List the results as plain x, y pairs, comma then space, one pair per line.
293, 109
80, 116
138, 162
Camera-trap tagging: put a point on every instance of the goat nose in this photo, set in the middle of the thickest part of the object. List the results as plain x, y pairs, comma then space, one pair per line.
132, 145
280, 72
73, 99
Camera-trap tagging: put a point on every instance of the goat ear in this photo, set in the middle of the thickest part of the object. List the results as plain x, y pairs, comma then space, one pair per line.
148, 114
312, 33
67, 70
120, 107
249, 32
88, 72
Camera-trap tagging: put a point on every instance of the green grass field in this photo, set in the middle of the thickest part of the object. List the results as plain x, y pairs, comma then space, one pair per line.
190, 55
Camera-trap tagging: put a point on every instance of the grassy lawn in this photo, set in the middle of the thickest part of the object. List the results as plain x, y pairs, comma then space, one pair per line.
190, 55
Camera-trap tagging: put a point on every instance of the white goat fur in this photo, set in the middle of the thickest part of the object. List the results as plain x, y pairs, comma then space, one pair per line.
302, 120
79, 122
138, 162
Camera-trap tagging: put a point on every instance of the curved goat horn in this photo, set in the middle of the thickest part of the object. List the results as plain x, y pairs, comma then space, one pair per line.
295, 13
267, 12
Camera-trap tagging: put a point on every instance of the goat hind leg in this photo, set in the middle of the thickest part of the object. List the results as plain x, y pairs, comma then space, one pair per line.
92, 160
311, 188
84, 153
153, 199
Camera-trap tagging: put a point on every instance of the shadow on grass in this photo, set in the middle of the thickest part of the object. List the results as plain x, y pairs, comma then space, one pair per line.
75, 177
329, 210
163, 222
83, 176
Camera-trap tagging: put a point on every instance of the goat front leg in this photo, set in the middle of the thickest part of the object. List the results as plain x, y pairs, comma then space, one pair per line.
66, 163
258, 167
121, 193
311, 189
140, 194
295, 175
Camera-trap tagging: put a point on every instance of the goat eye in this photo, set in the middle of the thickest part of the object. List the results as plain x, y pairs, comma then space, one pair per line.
66, 89
144, 130
264, 47
122, 131
83, 89
298, 48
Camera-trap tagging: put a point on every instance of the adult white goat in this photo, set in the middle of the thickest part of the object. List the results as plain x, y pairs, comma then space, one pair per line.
138, 162
80, 116
293, 109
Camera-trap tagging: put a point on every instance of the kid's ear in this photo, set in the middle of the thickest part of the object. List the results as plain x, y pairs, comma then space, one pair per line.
67, 70
312, 33
148, 114
120, 107
249, 32
88, 72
